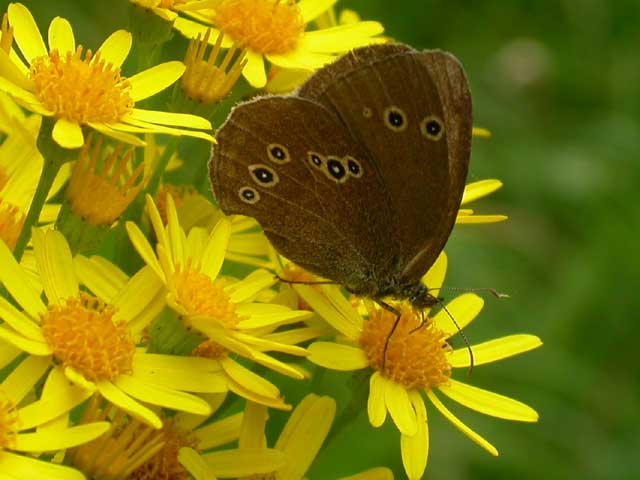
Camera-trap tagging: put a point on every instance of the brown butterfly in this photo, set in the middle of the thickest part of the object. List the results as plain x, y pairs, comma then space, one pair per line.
358, 176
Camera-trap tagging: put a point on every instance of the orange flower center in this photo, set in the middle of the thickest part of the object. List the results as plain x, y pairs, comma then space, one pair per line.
9, 422
11, 221
101, 189
415, 356
80, 88
83, 335
263, 26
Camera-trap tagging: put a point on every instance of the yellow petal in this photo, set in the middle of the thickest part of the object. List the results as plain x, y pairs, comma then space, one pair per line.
397, 402
343, 321
191, 29
102, 277
494, 350
26, 468
115, 49
342, 37
276, 365
220, 432
17, 283
55, 439
415, 448
120, 136
8, 353
375, 403
61, 36
144, 249
274, 320
116, 396
254, 421
254, 71
336, 356
23, 378
301, 58
55, 265
170, 118
23, 96
304, 434
248, 288
67, 134
13, 77
174, 375
193, 462
29, 346
245, 462
464, 308
480, 132
26, 33
139, 296
482, 188
249, 379
130, 124
213, 254
473, 436
155, 79
312, 9
20, 322
376, 473
489, 403
246, 393
434, 278
479, 219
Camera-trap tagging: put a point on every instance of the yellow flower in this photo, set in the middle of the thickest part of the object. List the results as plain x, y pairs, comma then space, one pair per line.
276, 30
472, 192
299, 443
188, 265
80, 88
18, 418
416, 358
92, 338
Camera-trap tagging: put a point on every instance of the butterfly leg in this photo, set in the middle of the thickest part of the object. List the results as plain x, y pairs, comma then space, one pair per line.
395, 311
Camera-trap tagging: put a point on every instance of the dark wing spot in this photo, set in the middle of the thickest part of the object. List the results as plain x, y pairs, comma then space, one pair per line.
432, 127
278, 153
336, 169
354, 167
395, 119
264, 175
249, 195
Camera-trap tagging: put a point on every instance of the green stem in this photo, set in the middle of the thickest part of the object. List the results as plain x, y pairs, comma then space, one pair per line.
54, 157
156, 176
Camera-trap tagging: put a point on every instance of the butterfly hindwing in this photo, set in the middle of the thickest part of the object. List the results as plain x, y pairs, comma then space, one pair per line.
291, 164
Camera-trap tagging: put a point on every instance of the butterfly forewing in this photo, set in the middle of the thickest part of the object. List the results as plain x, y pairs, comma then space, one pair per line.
291, 164
411, 111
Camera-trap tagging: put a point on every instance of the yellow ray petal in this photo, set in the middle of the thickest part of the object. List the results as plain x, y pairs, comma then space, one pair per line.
301, 58
213, 254
155, 79
464, 308
20, 322
336, 318
120, 136
312, 9
480, 132
138, 295
304, 434
342, 37
12, 74
170, 118
254, 71
473, 436
246, 393
375, 404
130, 124
177, 238
144, 249
277, 365
61, 36
116, 396
245, 462
22, 379
494, 350
8, 353
479, 219
248, 288
415, 449
263, 345
489, 403
26, 33
29, 346
193, 462
275, 320
99, 275
434, 278
115, 48
67, 134
55, 440
191, 29
23, 467
55, 264
249, 380
482, 188
23, 97
397, 402
337, 357
180, 379
17, 283
220, 432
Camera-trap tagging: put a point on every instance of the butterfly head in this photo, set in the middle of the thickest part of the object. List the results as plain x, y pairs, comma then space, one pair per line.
419, 296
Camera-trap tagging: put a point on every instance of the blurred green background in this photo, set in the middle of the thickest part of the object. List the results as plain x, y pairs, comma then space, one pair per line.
558, 84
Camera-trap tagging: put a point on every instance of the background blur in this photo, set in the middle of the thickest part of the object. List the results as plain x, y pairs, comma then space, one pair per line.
558, 84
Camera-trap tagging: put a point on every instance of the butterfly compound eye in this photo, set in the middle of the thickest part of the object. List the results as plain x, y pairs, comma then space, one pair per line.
431, 127
395, 119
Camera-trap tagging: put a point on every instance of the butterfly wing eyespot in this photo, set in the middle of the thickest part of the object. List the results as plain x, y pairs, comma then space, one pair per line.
353, 166
249, 195
335, 169
278, 153
431, 127
367, 112
316, 159
395, 119
264, 175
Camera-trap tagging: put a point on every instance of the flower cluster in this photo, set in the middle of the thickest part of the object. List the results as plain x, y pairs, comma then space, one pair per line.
146, 335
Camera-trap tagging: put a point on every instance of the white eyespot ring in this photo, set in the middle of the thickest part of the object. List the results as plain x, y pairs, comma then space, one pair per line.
278, 153
249, 195
395, 119
431, 127
263, 175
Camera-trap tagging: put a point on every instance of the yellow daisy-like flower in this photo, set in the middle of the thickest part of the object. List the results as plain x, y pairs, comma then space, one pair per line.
277, 31
188, 266
18, 419
299, 443
472, 192
80, 88
416, 359
92, 338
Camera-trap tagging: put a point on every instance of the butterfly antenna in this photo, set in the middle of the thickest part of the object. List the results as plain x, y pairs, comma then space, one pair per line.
462, 334
492, 291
